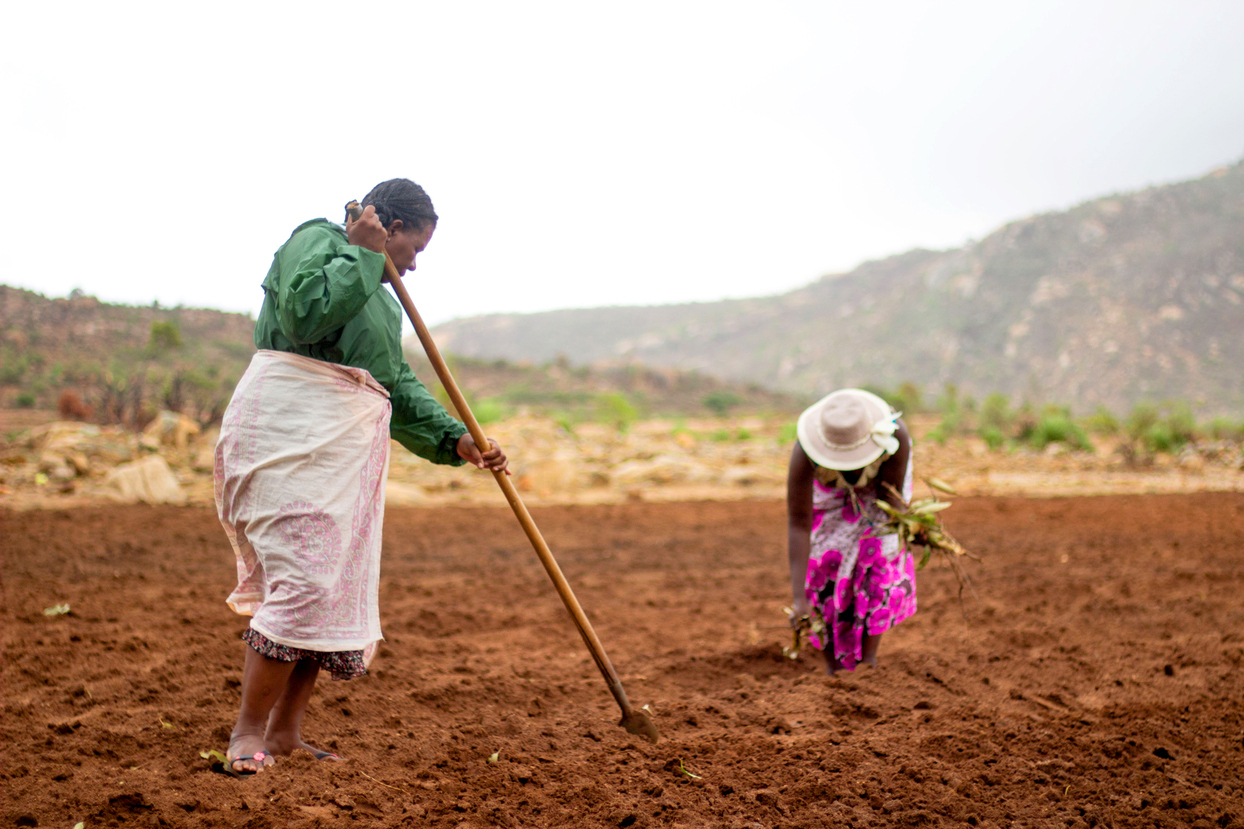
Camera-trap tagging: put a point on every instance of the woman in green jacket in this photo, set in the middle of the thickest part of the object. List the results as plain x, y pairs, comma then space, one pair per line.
303, 457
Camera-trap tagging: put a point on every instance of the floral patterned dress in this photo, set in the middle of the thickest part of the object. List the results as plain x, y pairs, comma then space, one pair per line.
859, 581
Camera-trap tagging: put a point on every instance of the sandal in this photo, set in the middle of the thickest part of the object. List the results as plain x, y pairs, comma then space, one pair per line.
227, 768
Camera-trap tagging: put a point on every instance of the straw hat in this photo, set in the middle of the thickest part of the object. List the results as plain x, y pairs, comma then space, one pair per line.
848, 429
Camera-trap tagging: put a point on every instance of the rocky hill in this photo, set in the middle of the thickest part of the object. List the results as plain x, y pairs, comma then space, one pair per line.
124, 364
1129, 298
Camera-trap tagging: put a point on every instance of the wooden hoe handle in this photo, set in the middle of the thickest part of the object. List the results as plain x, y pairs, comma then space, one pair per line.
633, 720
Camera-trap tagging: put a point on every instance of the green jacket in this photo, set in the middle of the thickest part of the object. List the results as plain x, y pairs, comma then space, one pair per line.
322, 299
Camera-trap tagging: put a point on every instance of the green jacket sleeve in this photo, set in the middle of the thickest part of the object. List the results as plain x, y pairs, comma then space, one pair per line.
323, 282
420, 422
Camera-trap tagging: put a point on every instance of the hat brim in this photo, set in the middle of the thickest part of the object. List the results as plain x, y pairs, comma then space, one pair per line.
821, 453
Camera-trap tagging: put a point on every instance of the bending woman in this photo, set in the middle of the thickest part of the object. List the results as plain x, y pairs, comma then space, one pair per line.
853, 582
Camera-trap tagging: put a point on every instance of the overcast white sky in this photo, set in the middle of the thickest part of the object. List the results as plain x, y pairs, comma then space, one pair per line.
582, 153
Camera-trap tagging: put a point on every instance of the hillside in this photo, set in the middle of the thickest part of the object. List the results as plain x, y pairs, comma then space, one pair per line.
1134, 297
123, 364
618, 394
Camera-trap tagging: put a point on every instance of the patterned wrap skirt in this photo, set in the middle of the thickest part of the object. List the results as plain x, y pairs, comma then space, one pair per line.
300, 472
859, 581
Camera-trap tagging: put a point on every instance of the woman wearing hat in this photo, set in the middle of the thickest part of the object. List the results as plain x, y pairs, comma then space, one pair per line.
843, 571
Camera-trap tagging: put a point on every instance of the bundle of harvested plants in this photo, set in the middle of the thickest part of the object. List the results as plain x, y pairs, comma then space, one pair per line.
917, 524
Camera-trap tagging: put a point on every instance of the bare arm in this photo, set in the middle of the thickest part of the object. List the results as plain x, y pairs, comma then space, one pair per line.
894, 468
798, 524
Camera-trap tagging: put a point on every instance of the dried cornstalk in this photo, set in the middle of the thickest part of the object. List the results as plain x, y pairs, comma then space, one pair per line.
801, 629
917, 524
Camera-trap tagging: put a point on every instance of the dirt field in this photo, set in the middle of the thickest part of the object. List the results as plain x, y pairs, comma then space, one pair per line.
1096, 680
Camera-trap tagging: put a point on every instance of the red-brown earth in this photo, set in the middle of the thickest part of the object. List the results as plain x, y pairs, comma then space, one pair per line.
1095, 680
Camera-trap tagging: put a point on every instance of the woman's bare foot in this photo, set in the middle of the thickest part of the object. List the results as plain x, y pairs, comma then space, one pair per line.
263, 680
283, 734
285, 746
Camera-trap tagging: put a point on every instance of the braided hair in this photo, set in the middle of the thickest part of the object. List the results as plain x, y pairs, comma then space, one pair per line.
401, 198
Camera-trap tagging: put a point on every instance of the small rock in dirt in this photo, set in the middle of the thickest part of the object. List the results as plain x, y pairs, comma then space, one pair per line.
778, 725
318, 812
149, 480
1169, 670
1163, 753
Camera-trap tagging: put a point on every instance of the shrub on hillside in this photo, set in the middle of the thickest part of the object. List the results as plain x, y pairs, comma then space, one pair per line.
1182, 423
1222, 428
1102, 422
995, 420
957, 415
13, 367
720, 402
71, 407
1144, 417
996, 413
1161, 429
993, 437
488, 410
165, 336
1058, 427
906, 398
615, 408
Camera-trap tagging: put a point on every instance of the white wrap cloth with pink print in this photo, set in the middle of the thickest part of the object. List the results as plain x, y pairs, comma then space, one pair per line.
300, 474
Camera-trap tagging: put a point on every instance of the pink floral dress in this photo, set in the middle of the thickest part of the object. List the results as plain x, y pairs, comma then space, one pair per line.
859, 581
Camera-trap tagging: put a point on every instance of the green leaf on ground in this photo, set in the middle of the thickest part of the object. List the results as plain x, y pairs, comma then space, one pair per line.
686, 771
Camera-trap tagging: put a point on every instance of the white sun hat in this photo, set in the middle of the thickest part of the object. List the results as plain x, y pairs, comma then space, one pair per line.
848, 429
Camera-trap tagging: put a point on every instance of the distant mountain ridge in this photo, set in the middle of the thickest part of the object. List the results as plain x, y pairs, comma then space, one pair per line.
1128, 298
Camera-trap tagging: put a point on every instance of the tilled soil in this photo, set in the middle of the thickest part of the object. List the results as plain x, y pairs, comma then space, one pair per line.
1094, 680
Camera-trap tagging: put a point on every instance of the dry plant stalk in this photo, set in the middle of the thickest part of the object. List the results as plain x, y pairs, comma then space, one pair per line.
802, 629
917, 524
